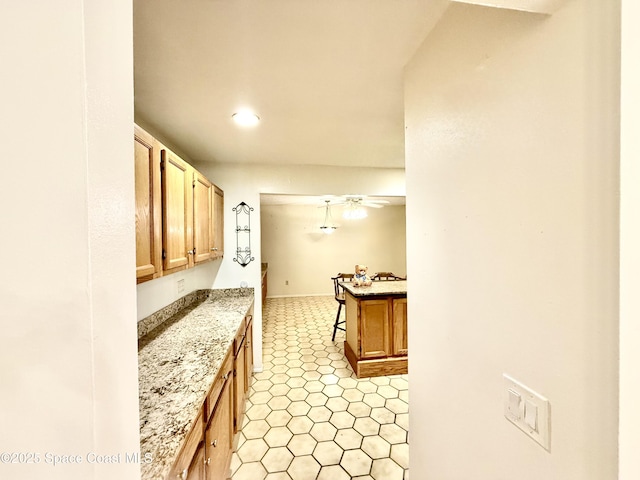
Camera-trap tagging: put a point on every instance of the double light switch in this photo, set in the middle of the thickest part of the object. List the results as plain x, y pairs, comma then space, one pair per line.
527, 410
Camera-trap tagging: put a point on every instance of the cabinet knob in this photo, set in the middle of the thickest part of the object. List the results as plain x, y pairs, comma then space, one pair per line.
214, 443
226, 375
209, 461
184, 474
191, 252
215, 249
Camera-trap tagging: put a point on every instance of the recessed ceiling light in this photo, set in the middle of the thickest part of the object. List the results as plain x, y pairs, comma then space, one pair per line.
246, 118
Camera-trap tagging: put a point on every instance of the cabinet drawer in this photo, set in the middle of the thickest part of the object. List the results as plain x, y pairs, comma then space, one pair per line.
189, 447
226, 371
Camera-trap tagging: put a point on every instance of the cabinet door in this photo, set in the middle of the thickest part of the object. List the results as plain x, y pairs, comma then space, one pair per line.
219, 436
177, 208
248, 358
185, 466
239, 391
217, 222
374, 325
148, 206
201, 217
400, 341
197, 467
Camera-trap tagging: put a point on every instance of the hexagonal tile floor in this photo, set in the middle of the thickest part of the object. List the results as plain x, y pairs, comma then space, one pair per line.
308, 417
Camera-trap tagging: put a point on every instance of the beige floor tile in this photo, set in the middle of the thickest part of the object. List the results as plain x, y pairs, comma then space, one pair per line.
308, 416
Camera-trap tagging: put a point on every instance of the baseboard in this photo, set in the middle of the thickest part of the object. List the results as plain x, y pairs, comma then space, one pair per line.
302, 295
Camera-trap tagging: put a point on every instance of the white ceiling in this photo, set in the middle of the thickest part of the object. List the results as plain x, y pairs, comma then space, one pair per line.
325, 76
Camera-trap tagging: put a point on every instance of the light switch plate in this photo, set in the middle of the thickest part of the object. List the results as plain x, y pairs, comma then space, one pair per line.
533, 413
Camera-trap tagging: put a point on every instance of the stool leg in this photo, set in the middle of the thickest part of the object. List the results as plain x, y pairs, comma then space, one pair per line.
335, 325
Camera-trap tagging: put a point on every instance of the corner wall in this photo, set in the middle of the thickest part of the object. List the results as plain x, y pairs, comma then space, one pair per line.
512, 207
630, 245
68, 349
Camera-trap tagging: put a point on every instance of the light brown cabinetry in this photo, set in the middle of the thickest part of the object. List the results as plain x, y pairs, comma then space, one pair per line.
400, 340
376, 334
179, 212
148, 206
202, 208
243, 368
206, 451
219, 434
185, 466
216, 234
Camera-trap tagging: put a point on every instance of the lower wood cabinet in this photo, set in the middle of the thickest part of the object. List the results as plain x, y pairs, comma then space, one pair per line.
206, 451
243, 368
376, 334
219, 435
186, 467
399, 340
197, 467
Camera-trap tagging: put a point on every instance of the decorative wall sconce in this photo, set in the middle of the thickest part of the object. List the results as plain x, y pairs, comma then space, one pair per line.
328, 227
243, 234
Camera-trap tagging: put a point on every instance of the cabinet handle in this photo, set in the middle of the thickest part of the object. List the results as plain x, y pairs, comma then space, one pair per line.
214, 443
209, 461
214, 249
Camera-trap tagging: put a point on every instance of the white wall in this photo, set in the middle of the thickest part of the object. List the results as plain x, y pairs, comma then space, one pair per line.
630, 245
298, 252
68, 349
512, 232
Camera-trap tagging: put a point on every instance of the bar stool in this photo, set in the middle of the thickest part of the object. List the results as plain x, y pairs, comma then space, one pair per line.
386, 276
339, 294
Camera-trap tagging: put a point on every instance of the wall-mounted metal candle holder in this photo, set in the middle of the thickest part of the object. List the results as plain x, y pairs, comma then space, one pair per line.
243, 234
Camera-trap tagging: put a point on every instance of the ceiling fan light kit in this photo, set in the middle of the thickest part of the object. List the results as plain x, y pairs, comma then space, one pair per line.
354, 212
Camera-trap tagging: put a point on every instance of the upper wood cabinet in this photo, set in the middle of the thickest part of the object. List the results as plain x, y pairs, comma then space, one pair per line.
148, 206
216, 235
202, 216
179, 212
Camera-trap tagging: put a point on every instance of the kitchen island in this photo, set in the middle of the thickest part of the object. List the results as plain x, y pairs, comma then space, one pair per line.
376, 328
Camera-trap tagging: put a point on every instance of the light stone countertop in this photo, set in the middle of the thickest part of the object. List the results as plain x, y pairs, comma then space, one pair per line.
177, 363
378, 288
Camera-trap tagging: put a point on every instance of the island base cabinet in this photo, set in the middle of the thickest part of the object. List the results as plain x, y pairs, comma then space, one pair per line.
376, 335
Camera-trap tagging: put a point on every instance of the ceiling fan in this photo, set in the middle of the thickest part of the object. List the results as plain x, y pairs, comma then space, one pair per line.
354, 205
360, 201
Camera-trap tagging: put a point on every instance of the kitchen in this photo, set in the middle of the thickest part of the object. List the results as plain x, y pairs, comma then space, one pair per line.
379, 236
75, 346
